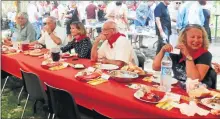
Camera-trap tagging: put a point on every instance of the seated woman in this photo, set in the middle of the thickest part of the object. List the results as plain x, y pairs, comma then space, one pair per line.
194, 60
81, 43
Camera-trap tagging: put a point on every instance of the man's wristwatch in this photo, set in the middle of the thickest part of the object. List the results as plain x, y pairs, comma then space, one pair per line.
189, 58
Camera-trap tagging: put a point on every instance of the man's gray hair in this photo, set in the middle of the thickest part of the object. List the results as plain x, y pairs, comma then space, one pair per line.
53, 19
114, 24
24, 14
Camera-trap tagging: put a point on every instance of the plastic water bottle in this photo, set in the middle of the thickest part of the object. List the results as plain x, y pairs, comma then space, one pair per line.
166, 73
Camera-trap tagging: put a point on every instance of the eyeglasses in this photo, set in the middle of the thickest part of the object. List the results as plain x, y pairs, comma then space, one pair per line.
178, 3
106, 29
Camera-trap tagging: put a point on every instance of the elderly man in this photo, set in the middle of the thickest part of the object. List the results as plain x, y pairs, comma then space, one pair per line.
24, 31
53, 35
115, 49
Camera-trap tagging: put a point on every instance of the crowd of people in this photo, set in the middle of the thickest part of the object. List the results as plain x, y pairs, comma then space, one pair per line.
189, 23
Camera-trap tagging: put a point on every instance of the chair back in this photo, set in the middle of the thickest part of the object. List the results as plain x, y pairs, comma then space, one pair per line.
33, 85
97, 115
62, 103
211, 78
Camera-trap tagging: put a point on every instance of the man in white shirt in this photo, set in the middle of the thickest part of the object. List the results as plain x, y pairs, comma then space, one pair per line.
116, 48
53, 35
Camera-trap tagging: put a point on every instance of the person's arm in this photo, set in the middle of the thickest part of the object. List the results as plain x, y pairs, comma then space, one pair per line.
115, 62
94, 51
85, 49
68, 47
199, 70
55, 39
139, 12
158, 58
31, 34
196, 71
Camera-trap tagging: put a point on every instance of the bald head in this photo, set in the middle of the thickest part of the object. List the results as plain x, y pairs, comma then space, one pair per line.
109, 29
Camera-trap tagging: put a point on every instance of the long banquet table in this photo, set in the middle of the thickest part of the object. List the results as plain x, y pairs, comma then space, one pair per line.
111, 98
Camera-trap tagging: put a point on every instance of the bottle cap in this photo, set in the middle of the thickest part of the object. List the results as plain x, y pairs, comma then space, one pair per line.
167, 54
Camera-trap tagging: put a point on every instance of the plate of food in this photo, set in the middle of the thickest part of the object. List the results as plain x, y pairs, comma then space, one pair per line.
87, 75
78, 66
108, 66
123, 76
147, 95
8, 50
134, 68
47, 64
213, 103
67, 55
35, 52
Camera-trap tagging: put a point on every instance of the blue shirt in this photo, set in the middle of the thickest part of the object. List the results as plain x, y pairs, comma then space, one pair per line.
161, 11
143, 10
184, 18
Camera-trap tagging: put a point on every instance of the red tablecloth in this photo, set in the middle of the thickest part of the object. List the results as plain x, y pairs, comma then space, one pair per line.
112, 99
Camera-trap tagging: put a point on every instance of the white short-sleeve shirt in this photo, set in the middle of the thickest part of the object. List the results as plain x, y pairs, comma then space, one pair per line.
46, 39
122, 50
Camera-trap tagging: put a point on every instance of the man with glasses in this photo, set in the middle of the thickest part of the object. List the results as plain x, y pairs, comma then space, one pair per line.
115, 49
53, 35
24, 30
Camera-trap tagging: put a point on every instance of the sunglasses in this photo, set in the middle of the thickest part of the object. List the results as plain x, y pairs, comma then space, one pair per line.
178, 3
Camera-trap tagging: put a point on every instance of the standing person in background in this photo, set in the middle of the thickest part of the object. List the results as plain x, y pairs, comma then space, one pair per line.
73, 15
91, 11
54, 10
206, 13
173, 15
190, 13
91, 14
47, 8
101, 15
118, 13
163, 24
33, 17
143, 15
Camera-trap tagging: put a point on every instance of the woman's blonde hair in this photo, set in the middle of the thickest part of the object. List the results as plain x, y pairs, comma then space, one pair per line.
182, 36
80, 27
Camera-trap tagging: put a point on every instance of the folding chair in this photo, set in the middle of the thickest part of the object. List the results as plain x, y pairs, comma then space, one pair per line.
34, 89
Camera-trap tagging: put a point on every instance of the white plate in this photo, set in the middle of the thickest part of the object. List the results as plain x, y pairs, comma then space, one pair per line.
210, 105
108, 66
138, 94
157, 80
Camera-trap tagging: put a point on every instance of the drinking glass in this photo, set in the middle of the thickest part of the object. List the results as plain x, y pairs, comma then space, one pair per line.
55, 54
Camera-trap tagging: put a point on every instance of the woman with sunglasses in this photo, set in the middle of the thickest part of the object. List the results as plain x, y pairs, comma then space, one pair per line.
81, 43
194, 61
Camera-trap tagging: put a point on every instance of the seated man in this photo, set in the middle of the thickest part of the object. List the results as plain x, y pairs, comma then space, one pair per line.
24, 30
115, 49
53, 35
